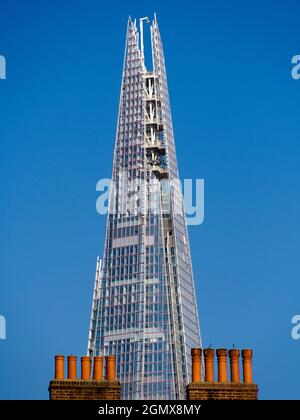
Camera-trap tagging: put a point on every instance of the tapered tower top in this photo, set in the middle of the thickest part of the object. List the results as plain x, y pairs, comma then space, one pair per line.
144, 307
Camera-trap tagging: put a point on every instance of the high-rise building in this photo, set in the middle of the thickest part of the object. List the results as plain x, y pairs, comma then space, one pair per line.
144, 306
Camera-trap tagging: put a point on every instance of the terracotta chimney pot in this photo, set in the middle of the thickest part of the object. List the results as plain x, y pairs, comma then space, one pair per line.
59, 367
98, 368
110, 368
209, 355
222, 365
196, 365
234, 356
247, 365
72, 371
85, 368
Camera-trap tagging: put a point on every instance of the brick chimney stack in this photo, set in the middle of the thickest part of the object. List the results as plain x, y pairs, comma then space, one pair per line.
222, 389
86, 388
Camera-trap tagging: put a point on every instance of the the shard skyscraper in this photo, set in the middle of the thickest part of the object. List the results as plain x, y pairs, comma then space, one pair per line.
144, 306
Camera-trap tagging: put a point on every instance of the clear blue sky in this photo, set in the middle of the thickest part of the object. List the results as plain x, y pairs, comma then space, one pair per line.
236, 119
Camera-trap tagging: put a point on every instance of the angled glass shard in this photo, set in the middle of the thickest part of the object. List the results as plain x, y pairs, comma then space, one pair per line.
144, 306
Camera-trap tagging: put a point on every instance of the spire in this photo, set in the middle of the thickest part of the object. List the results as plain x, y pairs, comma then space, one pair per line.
146, 253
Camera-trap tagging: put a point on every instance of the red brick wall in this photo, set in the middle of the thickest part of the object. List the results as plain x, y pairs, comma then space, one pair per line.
84, 390
221, 391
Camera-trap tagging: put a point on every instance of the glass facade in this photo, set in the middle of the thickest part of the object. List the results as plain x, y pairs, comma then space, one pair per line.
144, 307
